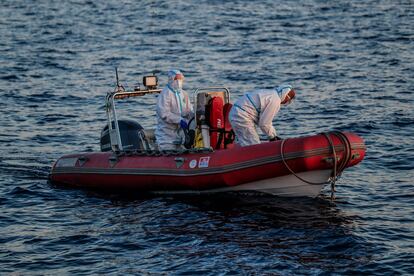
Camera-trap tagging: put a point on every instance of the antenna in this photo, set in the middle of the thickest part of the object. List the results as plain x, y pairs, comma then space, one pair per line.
118, 86
152, 20
117, 79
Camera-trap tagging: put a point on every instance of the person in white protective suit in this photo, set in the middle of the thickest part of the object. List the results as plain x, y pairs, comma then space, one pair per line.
174, 110
258, 108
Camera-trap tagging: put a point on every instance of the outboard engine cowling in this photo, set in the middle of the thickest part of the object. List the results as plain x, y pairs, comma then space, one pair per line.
130, 136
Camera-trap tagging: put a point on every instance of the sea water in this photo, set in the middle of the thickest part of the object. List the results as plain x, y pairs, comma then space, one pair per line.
351, 63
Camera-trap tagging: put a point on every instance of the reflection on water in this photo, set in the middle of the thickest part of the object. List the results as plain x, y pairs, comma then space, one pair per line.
264, 227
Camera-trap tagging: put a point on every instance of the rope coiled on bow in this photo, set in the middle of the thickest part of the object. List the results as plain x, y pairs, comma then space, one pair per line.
336, 170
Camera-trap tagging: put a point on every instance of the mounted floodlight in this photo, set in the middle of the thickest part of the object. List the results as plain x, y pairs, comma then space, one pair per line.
150, 82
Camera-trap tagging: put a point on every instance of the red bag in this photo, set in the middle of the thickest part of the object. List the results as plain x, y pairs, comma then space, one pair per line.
216, 121
228, 134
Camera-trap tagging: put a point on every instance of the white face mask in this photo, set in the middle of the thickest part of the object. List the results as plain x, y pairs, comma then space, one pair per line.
177, 84
180, 84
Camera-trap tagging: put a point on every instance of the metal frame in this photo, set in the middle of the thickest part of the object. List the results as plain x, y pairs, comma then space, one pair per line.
211, 89
208, 90
120, 93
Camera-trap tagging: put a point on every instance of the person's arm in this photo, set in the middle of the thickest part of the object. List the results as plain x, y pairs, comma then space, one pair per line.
164, 106
189, 113
267, 114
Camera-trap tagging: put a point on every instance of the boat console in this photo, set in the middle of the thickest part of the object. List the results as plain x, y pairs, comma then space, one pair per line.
212, 106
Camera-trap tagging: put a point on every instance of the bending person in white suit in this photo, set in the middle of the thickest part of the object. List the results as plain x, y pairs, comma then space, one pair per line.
258, 108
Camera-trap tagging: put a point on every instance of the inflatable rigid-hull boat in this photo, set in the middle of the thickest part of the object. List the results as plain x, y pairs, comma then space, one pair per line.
292, 167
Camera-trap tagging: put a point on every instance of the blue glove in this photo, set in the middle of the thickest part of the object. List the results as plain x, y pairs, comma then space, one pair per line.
183, 124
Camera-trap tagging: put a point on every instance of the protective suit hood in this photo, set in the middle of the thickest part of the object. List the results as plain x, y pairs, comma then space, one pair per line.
283, 90
175, 80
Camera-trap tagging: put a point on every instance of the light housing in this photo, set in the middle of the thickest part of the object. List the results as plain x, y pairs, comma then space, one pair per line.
150, 82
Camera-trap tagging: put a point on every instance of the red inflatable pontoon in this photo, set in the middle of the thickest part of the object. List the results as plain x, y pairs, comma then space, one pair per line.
253, 168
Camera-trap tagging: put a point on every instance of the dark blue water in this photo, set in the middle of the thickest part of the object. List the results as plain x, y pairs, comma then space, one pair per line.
352, 63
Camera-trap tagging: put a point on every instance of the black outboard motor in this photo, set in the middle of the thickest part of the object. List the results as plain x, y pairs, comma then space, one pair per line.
130, 136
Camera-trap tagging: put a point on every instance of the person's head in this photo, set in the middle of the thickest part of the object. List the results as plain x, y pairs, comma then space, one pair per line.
286, 94
176, 79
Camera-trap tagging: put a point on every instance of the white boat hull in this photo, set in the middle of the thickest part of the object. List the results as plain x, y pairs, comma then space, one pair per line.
286, 186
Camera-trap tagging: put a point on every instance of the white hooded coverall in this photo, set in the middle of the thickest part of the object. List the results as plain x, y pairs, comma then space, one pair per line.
173, 105
257, 108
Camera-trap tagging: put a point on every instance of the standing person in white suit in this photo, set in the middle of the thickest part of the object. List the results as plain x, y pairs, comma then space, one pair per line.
174, 110
258, 108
